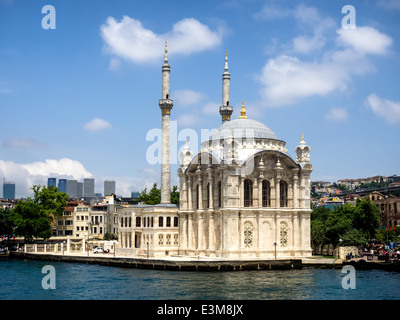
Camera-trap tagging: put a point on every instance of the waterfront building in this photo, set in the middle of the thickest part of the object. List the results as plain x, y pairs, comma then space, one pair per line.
64, 225
389, 208
8, 190
241, 196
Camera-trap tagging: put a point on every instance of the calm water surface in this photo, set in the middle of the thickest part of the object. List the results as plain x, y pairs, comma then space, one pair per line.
22, 280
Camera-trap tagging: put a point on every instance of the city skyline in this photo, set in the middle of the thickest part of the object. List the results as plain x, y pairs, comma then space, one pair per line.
94, 83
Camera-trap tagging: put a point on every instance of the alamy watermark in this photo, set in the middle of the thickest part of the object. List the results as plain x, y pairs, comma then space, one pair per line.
49, 280
49, 20
349, 20
349, 280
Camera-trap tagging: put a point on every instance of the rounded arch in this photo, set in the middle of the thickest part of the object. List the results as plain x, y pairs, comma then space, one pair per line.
265, 193
283, 193
202, 159
284, 158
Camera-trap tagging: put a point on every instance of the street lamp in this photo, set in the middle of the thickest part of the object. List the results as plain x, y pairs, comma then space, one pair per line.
275, 249
147, 249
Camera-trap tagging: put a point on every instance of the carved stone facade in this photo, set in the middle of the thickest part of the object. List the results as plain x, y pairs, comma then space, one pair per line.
245, 200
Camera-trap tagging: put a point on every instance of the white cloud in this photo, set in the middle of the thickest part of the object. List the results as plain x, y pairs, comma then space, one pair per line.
188, 120
97, 125
26, 175
130, 40
22, 143
287, 79
337, 114
272, 12
211, 108
365, 40
114, 64
186, 97
384, 108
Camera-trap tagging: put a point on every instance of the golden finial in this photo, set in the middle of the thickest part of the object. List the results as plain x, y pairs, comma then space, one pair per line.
243, 111
302, 137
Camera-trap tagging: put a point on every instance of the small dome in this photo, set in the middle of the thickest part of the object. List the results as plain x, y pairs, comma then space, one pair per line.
244, 128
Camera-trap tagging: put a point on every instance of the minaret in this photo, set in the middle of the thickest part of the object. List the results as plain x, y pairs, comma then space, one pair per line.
166, 105
225, 109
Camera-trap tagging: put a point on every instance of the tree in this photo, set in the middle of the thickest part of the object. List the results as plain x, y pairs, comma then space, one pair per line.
175, 195
366, 217
345, 225
153, 197
33, 217
6, 223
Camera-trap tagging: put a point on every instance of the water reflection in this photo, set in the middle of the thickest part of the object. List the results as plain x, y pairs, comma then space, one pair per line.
22, 280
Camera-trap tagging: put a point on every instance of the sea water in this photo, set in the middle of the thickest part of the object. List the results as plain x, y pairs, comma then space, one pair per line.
26, 280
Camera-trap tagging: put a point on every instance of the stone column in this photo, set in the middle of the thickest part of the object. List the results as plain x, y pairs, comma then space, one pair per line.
200, 231
211, 234
295, 191
189, 192
273, 197
190, 231
200, 193
211, 193
260, 195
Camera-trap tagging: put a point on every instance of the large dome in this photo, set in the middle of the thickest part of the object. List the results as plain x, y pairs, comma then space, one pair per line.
244, 128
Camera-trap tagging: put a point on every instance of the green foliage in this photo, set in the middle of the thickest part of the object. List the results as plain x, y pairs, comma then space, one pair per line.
154, 195
345, 225
6, 222
33, 217
175, 195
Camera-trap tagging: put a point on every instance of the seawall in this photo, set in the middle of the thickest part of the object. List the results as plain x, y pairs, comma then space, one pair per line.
169, 264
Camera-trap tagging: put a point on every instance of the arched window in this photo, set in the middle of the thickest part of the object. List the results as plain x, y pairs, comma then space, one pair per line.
168, 223
219, 195
160, 222
176, 221
138, 222
248, 234
266, 194
248, 193
283, 192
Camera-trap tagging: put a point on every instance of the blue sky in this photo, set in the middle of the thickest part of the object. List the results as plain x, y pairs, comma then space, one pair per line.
79, 100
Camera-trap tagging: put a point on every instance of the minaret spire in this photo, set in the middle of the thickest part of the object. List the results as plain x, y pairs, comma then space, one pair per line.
165, 104
226, 109
166, 53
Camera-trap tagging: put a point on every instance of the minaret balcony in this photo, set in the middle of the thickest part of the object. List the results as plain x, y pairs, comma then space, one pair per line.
166, 105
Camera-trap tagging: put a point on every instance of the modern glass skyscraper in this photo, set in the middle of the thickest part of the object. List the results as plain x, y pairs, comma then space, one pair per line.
72, 188
88, 187
80, 190
109, 187
51, 182
62, 185
8, 190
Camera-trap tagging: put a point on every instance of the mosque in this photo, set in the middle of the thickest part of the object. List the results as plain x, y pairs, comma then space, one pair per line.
242, 196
